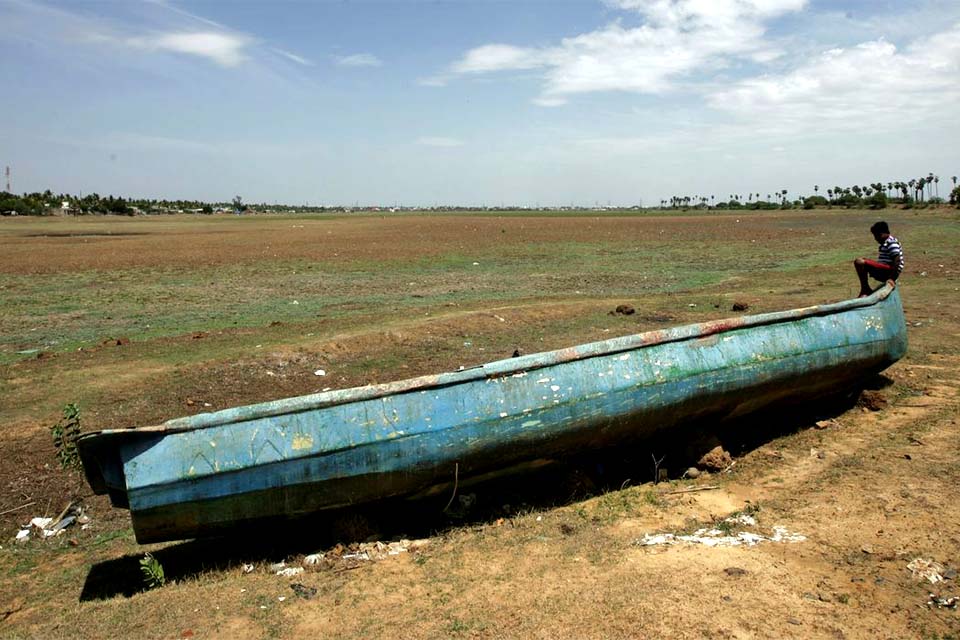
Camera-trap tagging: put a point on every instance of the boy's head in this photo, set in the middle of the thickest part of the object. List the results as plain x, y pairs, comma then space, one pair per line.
880, 231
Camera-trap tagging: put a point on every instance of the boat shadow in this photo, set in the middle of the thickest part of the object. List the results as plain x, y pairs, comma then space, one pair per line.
542, 485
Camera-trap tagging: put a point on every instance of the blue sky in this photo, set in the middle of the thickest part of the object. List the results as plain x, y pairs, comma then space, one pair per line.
476, 102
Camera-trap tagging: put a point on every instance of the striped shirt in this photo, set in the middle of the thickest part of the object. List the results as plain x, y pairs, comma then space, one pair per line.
891, 253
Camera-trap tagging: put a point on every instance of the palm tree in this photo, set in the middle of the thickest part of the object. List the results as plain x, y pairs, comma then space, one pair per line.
936, 184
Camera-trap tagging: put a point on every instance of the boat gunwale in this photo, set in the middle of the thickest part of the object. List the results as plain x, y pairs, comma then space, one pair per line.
499, 368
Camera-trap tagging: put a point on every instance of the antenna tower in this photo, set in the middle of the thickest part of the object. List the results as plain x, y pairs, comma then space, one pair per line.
7, 172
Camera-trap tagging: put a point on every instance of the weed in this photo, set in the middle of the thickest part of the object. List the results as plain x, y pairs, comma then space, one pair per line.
65, 433
653, 498
152, 572
725, 526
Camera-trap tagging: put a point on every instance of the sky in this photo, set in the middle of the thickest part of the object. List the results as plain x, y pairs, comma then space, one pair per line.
476, 102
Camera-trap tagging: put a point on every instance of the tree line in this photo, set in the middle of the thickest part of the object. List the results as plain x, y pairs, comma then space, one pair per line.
877, 195
908, 193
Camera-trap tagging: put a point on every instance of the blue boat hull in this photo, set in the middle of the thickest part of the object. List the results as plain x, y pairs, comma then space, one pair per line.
198, 475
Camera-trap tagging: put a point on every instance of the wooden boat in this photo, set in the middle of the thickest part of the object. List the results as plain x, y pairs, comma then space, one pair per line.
205, 473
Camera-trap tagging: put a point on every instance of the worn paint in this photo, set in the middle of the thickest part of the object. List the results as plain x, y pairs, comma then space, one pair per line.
194, 475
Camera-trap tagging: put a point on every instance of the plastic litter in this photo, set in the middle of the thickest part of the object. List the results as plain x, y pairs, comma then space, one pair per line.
941, 602
47, 527
924, 569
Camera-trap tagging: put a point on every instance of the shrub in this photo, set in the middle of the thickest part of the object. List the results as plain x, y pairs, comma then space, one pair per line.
878, 200
955, 196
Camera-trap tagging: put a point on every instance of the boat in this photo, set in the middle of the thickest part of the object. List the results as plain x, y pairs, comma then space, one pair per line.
210, 473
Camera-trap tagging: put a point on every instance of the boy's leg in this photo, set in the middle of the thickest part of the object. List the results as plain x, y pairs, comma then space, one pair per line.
861, 266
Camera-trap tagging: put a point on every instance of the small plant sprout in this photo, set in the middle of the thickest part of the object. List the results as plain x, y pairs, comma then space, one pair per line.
152, 571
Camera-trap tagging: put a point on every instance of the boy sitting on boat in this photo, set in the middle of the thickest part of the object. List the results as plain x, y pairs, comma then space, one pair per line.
889, 262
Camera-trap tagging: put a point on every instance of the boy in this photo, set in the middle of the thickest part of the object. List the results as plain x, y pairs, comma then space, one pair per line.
889, 262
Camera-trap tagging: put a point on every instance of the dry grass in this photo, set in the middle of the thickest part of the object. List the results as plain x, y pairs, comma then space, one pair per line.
559, 563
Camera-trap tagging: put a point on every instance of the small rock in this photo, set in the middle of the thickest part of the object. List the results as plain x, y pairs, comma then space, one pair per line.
693, 473
715, 460
740, 306
304, 591
824, 597
950, 574
794, 621
735, 572
873, 400
625, 310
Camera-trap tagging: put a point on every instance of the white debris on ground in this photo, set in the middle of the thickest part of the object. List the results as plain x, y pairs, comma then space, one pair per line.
715, 537
49, 527
373, 551
941, 602
357, 552
923, 569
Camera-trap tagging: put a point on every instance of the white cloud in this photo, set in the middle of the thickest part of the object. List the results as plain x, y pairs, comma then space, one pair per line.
225, 49
544, 101
869, 85
678, 38
292, 56
436, 141
498, 57
359, 60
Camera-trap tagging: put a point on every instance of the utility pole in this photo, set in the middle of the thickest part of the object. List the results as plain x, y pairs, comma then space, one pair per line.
8, 179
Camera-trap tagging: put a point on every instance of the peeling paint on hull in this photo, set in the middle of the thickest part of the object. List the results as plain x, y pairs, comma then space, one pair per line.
198, 475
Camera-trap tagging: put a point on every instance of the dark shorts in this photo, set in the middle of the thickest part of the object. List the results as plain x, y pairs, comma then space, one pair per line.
880, 271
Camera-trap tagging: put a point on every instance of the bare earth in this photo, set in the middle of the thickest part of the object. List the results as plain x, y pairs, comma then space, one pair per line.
870, 489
